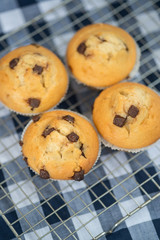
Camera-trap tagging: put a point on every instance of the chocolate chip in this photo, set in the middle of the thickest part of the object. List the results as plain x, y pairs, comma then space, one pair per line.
133, 111
69, 118
101, 39
38, 69
126, 47
119, 121
25, 159
36, 53
44, 174
81, 48
33, 102
73, 137
70, 68
20, 143
35, 45
82, 149
47, 131
36, 118
13, 63
92, 107
83, 155
78, 176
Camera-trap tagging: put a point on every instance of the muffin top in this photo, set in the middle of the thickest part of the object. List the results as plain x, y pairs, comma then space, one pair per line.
100, 55
60, 145
127, 115
32, 79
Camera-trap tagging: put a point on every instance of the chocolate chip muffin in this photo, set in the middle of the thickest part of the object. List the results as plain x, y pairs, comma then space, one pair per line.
100, 55
60, 145
127, 116
32, 79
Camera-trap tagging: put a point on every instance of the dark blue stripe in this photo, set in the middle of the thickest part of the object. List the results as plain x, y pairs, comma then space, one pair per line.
12, 217
3, 44
5, 231
37, 37
76, 15
156, 5
122, 234
81, 12
24, 3
100, 189
2, 178
22, 119
156, 223
55, 202
72, 100
120, 13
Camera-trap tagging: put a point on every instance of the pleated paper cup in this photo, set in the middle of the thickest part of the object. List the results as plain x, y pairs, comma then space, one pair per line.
136, 150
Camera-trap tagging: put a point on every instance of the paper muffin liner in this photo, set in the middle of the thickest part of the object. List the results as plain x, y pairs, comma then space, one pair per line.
34, 114
99, 140
131, 75
136, 150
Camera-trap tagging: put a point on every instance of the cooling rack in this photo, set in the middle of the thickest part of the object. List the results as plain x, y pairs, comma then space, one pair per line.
120, 182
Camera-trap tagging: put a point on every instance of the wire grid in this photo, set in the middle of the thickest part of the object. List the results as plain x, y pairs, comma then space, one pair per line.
19, 169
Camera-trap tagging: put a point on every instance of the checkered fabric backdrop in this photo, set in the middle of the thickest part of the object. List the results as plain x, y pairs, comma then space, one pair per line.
32, 208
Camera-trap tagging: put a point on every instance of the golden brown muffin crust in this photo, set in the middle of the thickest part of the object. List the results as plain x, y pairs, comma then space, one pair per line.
32, 79
127, 115
100, 55
61, 143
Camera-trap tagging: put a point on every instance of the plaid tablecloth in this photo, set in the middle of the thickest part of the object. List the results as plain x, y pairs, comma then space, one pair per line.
142, 20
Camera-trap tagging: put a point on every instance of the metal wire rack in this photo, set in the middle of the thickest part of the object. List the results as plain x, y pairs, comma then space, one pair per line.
79, 98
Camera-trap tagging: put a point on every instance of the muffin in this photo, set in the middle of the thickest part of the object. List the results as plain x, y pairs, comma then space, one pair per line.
127, 116
100, 55
61, 145
32, 79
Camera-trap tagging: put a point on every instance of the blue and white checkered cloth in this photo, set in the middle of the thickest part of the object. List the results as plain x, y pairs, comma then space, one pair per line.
32, 208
